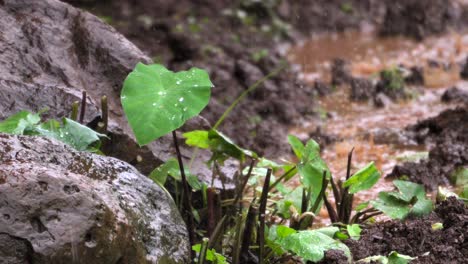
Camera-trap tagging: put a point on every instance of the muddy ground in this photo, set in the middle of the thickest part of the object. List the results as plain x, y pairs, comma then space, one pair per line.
237, 42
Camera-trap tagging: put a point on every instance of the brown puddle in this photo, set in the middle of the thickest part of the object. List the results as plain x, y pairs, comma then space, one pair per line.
356, 123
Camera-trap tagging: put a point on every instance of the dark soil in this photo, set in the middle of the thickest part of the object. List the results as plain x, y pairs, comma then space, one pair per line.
415, 237
448, 133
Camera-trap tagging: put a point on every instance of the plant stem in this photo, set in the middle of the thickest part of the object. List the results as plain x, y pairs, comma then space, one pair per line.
244, 94
216, 234
261, 229
104, 113
214, 209
83, 107
250, 223
187, 208
244, 183
74, 112
285, 175
345, 193
331, 211
203, 249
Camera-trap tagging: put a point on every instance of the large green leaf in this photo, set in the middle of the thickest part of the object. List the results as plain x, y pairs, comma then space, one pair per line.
364, 179
19, 123
158, 101
308, 244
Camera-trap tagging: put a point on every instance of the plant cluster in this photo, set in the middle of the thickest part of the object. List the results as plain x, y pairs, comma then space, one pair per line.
264, 220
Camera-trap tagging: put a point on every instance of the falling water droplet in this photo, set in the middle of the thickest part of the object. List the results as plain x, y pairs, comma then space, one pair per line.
181, 99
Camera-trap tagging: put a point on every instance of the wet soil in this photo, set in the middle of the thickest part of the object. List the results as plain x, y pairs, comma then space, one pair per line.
448, 132
416, 237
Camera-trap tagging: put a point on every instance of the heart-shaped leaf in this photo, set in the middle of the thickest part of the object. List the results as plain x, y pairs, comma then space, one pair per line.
158, 101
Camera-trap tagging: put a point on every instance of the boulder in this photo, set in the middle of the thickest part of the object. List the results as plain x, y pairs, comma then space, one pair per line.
58, 205
50, 52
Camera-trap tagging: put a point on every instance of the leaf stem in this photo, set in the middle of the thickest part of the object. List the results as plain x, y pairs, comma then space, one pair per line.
187, 208
83, 107
244, 94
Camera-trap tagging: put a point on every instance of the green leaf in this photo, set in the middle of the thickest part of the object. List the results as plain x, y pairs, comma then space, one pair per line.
364, 179
397, 258
408, 190
422, 207
460, 176
361, 206
20, 122
329, 230
437, 226
391, 206
293, 198
311, 169
393, 258
159, 174
70, 132
311, 245
157, 101
197, 138
220, 145
354, 231
223, 145
296, 145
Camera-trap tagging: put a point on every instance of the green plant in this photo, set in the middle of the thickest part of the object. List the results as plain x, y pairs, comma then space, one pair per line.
410, 199
310, 245
347, 8
69, 132
393, 78
392, 258
157, 101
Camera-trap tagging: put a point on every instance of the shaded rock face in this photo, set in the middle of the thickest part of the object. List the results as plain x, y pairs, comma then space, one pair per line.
58, 205
50, 52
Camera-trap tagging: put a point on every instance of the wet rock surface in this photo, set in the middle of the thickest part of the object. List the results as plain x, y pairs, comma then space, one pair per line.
415, 237
50, 52
455, 95
448, 134
58, 205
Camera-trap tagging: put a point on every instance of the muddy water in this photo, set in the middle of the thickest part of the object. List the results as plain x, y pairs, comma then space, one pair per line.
359, 124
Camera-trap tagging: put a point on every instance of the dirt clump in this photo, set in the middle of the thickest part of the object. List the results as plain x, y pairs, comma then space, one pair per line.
455, 95
416, 237
416, 18
448, 134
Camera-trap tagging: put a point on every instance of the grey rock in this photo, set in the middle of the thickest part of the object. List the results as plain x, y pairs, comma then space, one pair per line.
58, 205
50, 52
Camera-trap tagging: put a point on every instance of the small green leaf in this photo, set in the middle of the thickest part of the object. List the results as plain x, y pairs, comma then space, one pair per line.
437, 226
296, 145
364, 179
422, 207
220, 145
311, 245
354, 231
329, 230
408, 190
160, 173
397, 258
157, 101
197, 138
391, 206
20, 122
71, 133
361, 206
